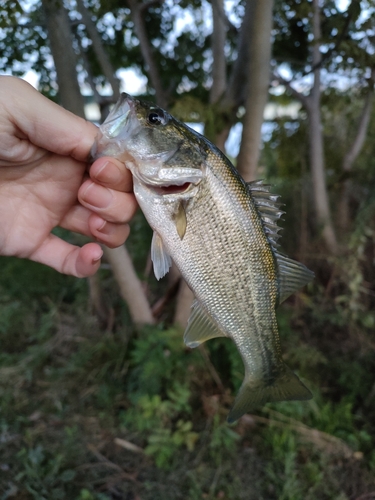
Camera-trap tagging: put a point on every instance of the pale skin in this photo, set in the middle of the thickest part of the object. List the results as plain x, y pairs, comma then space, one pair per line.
45, 183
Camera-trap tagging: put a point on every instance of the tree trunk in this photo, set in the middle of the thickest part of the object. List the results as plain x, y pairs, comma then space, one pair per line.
227, 102
317, 166
65, 59
219, 68
235, 91
352, 155
218, 38
320, 192
61, 41
130, 286
235, 94
258, 75
360, 137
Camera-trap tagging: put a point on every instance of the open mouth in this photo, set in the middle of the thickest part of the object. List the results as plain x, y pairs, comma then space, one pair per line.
166, 180
171, 189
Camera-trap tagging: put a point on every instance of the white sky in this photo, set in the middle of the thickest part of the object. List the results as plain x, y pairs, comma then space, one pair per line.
342, 4
130, 81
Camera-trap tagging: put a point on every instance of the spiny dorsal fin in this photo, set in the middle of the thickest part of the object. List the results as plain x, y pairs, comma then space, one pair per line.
201, 327
269, 209
292, 275
159, 256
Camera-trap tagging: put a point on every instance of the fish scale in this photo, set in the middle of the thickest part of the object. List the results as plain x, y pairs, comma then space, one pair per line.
205, 217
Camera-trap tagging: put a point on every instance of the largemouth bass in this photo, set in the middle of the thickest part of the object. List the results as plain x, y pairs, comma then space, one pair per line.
221, 233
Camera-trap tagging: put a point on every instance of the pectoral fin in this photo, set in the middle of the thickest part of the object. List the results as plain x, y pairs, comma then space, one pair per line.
201, 327
159, 256
180, 220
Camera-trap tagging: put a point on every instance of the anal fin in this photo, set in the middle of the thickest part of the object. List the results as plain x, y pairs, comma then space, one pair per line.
201, 327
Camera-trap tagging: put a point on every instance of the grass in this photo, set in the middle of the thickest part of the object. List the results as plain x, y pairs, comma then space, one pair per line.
88, 414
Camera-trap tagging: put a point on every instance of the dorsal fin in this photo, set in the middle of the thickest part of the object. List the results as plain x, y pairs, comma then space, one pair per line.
268, 208
201, 327
292, 275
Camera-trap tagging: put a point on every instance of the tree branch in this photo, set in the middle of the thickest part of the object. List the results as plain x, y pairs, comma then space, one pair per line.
304, 99
236, 90
147, 5
327, 56
316, 144
137, 10
257, 84
101, 54
87, 67
64, 56
356, 147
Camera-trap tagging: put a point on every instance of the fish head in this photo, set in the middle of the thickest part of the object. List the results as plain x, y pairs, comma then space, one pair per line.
163, 154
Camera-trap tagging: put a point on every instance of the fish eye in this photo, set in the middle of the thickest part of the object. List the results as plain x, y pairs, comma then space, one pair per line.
156, 117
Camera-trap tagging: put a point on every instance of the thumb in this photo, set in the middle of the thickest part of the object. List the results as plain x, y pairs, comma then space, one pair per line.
45, 123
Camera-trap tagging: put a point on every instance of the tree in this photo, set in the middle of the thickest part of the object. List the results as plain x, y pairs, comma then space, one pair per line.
60, 36
317, 166
259, 14
326, 48
354, 151
204, 74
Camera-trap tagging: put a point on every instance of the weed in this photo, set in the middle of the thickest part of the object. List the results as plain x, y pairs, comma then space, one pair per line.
89, 415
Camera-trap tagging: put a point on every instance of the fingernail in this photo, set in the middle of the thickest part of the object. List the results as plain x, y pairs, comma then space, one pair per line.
109, 173
102, 169
97, 196
100, 225
96, 259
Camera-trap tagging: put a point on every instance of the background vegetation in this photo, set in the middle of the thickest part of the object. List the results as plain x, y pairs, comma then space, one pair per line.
99, 401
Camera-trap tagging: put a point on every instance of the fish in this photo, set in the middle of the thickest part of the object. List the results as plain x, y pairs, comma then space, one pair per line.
221, 232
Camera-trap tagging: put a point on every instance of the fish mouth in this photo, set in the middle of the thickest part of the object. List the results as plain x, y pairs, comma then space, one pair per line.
174, 181
170, 189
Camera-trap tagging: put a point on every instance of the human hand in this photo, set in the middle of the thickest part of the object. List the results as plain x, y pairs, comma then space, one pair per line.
44, 184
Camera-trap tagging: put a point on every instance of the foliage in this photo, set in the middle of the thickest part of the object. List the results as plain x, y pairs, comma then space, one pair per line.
182, 54
341, 33
92, 415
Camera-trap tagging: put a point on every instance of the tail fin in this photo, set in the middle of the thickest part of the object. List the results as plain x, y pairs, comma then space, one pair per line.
286, 387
